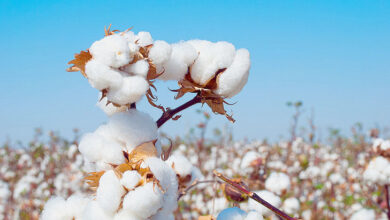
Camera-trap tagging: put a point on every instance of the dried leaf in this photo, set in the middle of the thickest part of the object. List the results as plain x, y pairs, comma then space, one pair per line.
79, 62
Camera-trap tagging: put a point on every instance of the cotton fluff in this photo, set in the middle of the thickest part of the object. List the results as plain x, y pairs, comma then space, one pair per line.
212, 57
378, 171
111, 51
277, 182
94, 211
75, 205
291, 205
234, 78
101, 76
180, 164
130, 179
253, 215
183, 54
110, 192
248, 158
160, 52
109, 109
54, 209
126, 215
141, 68
132, 128
131, 90
363, 214
144, 201
144, 38
267, 196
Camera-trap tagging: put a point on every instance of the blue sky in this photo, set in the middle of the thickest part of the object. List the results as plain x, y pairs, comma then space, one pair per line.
332, 55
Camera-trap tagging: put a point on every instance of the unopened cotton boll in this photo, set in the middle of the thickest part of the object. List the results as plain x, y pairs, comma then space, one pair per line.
211, 58
130, 179
141, 68
110, 192
111, 51
277, 183
233, 213
363, 214
234, 78
133, 128
291, 206
131, 90
101, 76
109, 109
267, 196
144, 201
183, 54
160, 52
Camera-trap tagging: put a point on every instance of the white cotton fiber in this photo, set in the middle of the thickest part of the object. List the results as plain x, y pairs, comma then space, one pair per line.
141, 68
126, 215
75, 205
248, 158
144, 201
111, 51
109, 192
291, 205
180, 164
101, 76
130, 179
54, 209
93, 211
109, 109
233, 213
253, 215
131, 91
183, 54
160, 52
267, 196
234, 78
212, 57
364, 214
277, 182
144, 38
133, 128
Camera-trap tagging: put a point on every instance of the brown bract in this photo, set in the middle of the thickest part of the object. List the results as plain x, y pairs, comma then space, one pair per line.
214, 101
79, 61
206, 217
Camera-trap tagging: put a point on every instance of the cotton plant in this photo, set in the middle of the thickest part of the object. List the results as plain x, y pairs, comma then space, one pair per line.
131, 176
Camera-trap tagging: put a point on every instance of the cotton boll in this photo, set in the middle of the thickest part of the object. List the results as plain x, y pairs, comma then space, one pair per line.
101, 76
363, 214
54, 209
131, 91
212, 57
126, 215
144, 38
234, 213
234, 78
111, 51
291, 206
160, 52
248, 158
109, 109
144, 201
277, 183
253, 215
93, 211
109, 192
129, 36
141, 68
75, 205
267, 196
180, 164
133, 128
183, 54
130, 179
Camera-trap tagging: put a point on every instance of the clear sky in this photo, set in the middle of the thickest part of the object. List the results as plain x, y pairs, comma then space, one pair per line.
333, 55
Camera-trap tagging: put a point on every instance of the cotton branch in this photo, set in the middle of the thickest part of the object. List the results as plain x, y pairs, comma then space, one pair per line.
255, 197
195, 183
387, 196
169, 113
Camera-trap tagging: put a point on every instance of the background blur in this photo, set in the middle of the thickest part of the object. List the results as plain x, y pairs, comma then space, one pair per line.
332, 55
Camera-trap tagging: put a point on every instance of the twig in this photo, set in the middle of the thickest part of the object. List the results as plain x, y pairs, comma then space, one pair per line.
387, 200
195, 183
169, 113
255, 197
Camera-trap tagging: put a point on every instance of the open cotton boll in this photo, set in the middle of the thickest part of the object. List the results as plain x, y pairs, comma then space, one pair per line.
131, 91
180, 164
234, 78
112, 51
183, 54
109, 109
211, 58
75, 205
141, 68
133, 128
267, 196
277, 182
54, 209
378, 171
126, 215
144, 38
363, 214
93, 211
101, 76
160, 52
110, 192
144, 201
253, 215
248, 158
130, 179
233, 213
291, 206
